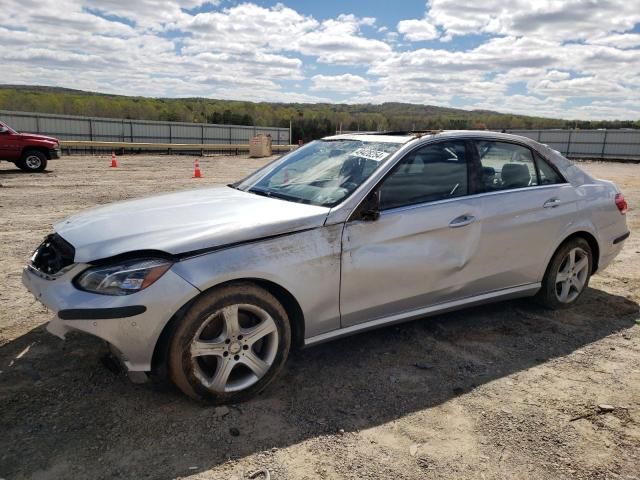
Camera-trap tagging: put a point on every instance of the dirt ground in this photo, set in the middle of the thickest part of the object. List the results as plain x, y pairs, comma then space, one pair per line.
504, 391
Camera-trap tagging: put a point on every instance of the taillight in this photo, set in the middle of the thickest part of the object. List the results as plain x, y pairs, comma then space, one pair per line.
621, 203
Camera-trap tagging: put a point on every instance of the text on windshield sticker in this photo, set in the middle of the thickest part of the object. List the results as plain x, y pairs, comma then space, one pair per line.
369, 153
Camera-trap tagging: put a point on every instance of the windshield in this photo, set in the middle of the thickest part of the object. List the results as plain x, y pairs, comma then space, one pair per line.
6, 128
323, 172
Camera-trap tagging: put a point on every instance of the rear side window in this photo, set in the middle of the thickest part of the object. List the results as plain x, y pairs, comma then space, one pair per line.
548, 176
505, 166
434, 172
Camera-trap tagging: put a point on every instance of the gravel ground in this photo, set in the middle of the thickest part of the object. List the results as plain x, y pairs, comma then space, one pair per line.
503, 391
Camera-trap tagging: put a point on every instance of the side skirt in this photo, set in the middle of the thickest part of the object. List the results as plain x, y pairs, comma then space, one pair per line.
506, 294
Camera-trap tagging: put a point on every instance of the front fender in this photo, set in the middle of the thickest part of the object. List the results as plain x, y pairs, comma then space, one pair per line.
306, 264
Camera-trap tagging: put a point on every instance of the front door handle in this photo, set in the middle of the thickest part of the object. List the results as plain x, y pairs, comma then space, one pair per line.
461, 221
551, 203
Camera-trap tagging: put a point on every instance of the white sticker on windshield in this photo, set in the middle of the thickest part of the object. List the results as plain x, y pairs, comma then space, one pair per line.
369, 153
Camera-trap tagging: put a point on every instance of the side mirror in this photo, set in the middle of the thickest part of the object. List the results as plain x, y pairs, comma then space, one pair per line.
369, 210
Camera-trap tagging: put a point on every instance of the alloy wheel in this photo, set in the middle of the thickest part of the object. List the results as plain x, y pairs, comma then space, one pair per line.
572, 275
234, 348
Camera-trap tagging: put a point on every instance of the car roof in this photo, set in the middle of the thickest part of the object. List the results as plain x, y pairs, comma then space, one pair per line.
407, 136
372, 137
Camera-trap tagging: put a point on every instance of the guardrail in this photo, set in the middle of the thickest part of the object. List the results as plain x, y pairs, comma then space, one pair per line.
201, 148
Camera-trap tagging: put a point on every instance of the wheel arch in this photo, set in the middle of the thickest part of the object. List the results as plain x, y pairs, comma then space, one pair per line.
591, 240
35, 148
286, 298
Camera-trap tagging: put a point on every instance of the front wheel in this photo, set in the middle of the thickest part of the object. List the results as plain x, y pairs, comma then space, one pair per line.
230, 345
32, 161
567, 275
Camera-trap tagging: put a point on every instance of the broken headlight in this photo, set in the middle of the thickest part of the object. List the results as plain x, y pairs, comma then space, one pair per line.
123, 278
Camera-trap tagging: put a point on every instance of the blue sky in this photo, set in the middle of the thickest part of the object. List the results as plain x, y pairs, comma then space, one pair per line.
570, 59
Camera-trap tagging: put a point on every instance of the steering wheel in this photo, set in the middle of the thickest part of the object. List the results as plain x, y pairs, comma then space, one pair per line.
349, 186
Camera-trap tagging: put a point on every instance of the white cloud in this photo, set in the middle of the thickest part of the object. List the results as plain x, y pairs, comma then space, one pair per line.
146, 13
339, 42
539, 57
340, 83
625, 40
244, 28
555, 75
247, 27
391, 37
417, 30
550, 19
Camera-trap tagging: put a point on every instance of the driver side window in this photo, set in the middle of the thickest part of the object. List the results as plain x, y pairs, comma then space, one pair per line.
435, 172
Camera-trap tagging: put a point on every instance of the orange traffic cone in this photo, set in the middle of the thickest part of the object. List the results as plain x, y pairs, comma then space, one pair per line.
114, 162
196, 170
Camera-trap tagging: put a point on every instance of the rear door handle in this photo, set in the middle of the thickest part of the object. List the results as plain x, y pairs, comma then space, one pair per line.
461, 221
552, 203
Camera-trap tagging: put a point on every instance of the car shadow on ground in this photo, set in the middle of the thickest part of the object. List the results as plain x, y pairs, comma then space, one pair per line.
10, 171
17, 171
65, 415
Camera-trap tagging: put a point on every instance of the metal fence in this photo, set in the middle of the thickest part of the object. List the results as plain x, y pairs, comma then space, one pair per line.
602, 144
68, 127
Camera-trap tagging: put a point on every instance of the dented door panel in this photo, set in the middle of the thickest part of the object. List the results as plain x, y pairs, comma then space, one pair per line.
409, 258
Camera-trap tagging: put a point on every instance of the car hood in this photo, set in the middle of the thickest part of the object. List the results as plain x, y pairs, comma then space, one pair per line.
184, 222
32, 136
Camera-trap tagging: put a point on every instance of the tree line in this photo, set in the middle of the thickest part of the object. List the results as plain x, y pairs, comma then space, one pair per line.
308, 121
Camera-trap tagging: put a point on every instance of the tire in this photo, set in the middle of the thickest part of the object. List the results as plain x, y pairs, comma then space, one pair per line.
564, 282
216, 359
32, 161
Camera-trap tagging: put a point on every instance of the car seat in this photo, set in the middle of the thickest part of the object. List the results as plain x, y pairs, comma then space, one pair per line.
515, 175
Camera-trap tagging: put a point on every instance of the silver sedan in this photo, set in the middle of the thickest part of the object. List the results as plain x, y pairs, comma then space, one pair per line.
212, 287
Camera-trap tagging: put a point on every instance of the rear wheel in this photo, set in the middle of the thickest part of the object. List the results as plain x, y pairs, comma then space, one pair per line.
567, 275
32, 161
230, 345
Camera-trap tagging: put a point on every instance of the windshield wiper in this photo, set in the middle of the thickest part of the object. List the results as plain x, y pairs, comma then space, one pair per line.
271, 194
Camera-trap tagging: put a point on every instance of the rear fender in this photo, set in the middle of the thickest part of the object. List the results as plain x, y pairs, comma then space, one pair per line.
587, 230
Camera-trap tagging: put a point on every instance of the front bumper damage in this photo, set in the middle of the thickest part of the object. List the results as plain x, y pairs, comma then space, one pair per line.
130, 324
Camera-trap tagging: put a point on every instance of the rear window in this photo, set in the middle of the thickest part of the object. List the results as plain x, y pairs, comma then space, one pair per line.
506, 166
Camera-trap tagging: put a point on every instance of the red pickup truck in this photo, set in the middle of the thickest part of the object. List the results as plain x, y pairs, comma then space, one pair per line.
30, 152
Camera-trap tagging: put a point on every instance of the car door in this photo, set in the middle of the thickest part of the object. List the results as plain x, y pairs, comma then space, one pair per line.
418, 252
9, 144
526, 205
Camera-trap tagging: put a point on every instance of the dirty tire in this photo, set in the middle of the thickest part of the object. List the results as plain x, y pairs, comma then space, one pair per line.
548, 295
32, 161
207, 321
